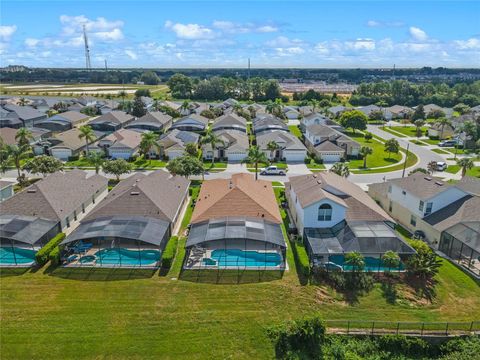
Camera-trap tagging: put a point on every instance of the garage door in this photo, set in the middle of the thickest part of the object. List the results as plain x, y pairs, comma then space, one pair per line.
236, 156
331, 157
62, 154
295, 156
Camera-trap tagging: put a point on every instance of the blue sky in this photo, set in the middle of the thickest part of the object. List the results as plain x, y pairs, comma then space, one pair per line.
225, 34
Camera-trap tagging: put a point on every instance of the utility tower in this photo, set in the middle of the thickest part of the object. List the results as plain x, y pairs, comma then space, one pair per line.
87, 50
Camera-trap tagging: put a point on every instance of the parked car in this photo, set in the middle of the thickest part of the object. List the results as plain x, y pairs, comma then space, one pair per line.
441, 165
272, 170
447, 143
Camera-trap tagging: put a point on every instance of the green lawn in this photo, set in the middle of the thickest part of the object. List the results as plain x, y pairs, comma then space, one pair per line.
452, 169
408, 130
217, 164
411, 160
441, 151
431, 141
139, 163
387, 129
378, 158
295, 130
418, 142
313, 165
475, 172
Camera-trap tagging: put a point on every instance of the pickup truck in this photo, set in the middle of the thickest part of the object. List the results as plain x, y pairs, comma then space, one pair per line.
272, 170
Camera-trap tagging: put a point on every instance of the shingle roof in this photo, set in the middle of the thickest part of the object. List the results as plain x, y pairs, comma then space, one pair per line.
469, 184
232, 139
158, 195
421, 185
156, 117
56, 196
25, 112
71, 140
72, 116
315, 187
124, 138
286, 140
178, 138
462, 210
328, 146
116, 117
241, 195
230, 120
8, 135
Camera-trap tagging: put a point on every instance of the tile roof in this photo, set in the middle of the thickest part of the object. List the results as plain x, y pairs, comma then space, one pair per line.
327, 185
157, 195
55, 196
241, 195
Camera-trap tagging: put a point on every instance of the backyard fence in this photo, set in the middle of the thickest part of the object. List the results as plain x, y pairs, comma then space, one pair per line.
361, 327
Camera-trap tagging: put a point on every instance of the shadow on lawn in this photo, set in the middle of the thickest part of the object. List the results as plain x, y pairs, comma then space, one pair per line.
99, 274
7, 272
230, 277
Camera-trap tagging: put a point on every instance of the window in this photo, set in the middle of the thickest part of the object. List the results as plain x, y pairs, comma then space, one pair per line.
413, 221
428, 209
325, 212
420, 206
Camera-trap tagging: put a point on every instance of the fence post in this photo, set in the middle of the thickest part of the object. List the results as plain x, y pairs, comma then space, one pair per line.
471, 327
446, 330
373, 327
348, 327
398, 327
423, 327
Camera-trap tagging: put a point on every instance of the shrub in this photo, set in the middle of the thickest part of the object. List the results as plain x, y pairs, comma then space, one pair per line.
400, 344
73, 158
298, 339
169, 252
301, 258
42, 255
54, 256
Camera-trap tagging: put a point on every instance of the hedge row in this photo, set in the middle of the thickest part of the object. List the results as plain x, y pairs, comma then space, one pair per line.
55, 255
42, 256
169, 252
300, 253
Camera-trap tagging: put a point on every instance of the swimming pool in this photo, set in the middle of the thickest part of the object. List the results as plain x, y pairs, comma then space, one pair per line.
240, 258
371, 264
127, 257
20, 257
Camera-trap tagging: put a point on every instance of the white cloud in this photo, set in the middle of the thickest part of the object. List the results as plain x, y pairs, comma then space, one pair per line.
113, 35
132, 55
472, 43
6, 31
373, 23
360, 44
190, 31
418, 34
376, 23
267, 29
31, 42
73, 24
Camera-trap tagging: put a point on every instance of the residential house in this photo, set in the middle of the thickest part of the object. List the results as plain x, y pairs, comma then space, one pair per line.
191, 122
6, 190
291, 113
432, 107
27, 114
268, 123
234, 146
107, 106
289, 147
367, 110
121, 144
329, 144
68, 144
30, 218
111, 121
336, 217
87, 101
9, 119
400, 112
132, 224
62, 121
338, 110
319, 119
230, 121
435, 130
447, 214
173, 143
155, 121
236, 224
38, 136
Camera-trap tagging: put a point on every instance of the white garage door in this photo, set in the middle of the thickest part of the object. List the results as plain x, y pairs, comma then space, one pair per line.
331, 157
62, 154
119, 154
236, 156
294, 156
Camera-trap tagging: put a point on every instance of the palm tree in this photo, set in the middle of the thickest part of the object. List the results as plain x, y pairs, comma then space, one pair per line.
418, 124
4, 157
18, 153
341, 169
356, 260
443, 121
87, 133
22, 101
96, 159
237, 107
364, 152
148, 142
314, 103
432, 167
272, 146
185, 105
465, 164
23, 136
391, 259
255, 156
212, 139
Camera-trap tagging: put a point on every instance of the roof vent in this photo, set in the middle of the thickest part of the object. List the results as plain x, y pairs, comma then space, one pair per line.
135, 193
319, 181
438, 183
428, 178
31, 190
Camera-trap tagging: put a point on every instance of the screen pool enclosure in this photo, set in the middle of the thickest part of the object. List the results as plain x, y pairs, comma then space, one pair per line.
116, 241
21, 237
235, 243
327, 247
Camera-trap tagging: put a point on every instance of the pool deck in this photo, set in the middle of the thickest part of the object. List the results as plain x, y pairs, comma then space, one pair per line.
92, 251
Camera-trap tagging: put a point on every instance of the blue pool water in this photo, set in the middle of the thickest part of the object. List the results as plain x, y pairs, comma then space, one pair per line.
127, 257
371, 264
21, 256
235, 257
